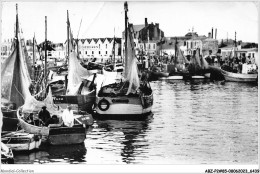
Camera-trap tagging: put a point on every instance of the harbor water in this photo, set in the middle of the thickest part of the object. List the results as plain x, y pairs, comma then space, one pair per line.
193, 122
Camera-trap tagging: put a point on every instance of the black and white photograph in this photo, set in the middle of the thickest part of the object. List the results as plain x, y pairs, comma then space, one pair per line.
129, 86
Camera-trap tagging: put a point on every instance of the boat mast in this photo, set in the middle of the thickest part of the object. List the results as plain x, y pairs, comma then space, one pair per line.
17, 23
126, 9
45, 62
68, 30
77, 41
114, 54
176, 47
235, 44
33, 57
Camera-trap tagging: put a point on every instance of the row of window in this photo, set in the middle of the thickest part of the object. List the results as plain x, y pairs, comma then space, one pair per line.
149, 46
191, 44
92, 46
253, 55
99, 52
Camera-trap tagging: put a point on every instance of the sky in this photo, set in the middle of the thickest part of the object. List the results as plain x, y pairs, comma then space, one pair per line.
106, 19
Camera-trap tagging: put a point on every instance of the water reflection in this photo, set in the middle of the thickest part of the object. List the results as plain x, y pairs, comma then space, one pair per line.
53, 154
123, 137
193, 122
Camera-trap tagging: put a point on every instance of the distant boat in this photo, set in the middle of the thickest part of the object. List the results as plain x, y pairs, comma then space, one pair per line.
248, 73
156, 73
128, 97
239, 77
21, 141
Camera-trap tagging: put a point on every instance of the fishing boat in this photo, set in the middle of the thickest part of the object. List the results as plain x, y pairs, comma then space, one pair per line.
7, 156
10, 121
67, 135
57, 134
80, 90
239, 77
21, 141
15, 80
128, 97
248, 73
156, 73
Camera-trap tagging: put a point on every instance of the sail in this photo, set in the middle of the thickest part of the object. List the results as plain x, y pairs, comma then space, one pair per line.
204, 63
15, 78
181, 58
131, 65
195, 64
76, 73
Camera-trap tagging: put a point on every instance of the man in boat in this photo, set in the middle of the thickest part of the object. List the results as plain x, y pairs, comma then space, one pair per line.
67, 117
44, 115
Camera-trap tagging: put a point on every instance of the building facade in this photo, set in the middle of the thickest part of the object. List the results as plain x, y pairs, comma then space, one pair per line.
206, 45
145, 36
6, 48
99, 48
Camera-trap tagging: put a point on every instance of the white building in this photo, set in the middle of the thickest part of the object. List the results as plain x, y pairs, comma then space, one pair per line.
99, 48
59, 51
6, 48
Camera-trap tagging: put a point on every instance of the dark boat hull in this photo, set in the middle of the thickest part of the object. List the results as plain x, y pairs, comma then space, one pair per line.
66, 135
78, 102
10, 121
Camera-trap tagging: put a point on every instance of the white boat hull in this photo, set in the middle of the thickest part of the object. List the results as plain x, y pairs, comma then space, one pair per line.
124, 106
237, 77
124, 109
181, 77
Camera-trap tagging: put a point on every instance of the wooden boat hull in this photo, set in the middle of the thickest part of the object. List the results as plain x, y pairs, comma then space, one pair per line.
159, 74
44, 131
237, 77
56, 135
124, 106
67, 135
22, 141
7, 156
10, 121
78, 102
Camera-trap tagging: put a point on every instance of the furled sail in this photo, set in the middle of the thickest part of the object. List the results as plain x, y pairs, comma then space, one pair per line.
131, 65
76, 73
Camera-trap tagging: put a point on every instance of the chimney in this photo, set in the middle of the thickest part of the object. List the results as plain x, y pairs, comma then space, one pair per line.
145, 22
212, 33
209, 35
215, 33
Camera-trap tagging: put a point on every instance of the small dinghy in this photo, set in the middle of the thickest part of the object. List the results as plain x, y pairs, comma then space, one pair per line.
7, 156
21, 141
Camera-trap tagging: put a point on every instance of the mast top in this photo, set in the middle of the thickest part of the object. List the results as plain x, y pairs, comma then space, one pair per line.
126, 6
